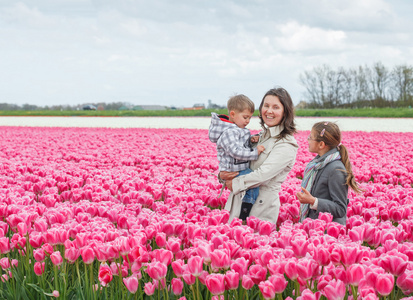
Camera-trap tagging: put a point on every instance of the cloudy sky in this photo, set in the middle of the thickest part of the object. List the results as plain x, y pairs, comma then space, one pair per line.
185, 52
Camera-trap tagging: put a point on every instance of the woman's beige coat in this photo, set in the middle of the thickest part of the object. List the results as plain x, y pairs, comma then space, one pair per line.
270, 171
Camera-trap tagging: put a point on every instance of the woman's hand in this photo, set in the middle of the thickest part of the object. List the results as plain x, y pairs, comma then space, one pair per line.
224, 175
305, 197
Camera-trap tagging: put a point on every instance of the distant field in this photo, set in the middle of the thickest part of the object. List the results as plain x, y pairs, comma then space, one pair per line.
361, 112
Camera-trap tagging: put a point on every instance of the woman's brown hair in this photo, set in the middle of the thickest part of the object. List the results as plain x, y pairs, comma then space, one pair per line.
330, 134
288, 118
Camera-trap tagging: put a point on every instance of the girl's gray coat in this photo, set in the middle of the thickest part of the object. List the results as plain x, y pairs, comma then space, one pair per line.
331, 190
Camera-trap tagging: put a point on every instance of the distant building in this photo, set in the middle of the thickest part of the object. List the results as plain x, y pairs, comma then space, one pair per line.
199, 106
214, 106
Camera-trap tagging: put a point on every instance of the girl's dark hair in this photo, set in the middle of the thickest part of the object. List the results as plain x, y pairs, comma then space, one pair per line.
288, 118
330, 134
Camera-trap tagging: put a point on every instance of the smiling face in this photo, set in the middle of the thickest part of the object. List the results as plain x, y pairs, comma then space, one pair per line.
272, 111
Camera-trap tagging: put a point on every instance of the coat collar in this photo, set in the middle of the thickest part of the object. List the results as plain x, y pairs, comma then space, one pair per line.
271, 132
275, 130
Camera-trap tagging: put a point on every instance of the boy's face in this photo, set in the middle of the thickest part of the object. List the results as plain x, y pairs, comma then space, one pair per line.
240, 118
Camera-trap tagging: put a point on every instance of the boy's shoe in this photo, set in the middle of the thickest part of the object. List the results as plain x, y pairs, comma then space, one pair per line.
245, 210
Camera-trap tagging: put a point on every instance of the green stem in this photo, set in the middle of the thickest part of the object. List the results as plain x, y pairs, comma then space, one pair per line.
92, 281
297, 289
354, 292
197, 288
56, 281
87, 282
193, 291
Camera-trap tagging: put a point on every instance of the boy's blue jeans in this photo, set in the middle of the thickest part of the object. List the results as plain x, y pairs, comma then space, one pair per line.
251, 195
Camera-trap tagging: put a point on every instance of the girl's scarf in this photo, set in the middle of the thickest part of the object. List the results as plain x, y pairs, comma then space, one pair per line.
310, 174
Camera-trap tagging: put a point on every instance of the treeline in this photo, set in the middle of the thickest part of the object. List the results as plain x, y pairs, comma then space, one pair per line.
31, 107
375, 86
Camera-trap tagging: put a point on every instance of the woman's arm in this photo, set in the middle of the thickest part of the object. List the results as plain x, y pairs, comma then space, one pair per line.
278, 159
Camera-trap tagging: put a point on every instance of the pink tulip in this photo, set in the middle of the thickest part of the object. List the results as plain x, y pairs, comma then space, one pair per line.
405, 282
216, 284
350, 255
204, 250
160, 239
56, 294
355, 273
299, 246
5, 263
39, 268
321, 255
72, 254
195, 265
265, 228
188, 278
178, 267
47, 248
335, 290
173, 245
202, 277
308, 295
267, 289
240, 265
177, 286
307, 268
231, 280
257, 273
220, 259
149, 288
247, 282
88, 255
157, 270
56, 258
105, 274
279, 282
394, 264
4, 245
36, 240
291, 269
132, 283
384, 284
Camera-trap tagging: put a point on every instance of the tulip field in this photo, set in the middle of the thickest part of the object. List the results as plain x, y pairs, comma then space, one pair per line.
99, 213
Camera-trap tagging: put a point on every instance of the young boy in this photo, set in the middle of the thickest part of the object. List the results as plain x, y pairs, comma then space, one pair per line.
234, 141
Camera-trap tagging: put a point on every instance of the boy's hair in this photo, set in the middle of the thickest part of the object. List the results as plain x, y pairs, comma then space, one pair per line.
240, 103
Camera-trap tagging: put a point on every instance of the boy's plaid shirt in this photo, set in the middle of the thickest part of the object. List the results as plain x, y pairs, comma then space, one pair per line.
233, 145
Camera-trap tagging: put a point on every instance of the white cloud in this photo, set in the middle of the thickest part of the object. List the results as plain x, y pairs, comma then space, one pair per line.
300, 38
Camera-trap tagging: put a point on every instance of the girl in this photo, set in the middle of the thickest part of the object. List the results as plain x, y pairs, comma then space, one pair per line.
327, 177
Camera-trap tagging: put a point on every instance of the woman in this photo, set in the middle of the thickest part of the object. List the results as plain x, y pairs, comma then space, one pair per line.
276, 113
328, 176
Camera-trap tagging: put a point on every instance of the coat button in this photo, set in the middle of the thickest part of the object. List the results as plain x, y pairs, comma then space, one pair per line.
260, 201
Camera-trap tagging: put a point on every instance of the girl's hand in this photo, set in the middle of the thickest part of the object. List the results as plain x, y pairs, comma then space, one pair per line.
228, 184
305, 197
255, 138
228, 175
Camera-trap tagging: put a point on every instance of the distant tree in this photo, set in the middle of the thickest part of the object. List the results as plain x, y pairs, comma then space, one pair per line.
379, 80
358, 87
402, 79
8, 106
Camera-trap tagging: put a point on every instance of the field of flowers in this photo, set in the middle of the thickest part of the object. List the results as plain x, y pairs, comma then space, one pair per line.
134, 214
